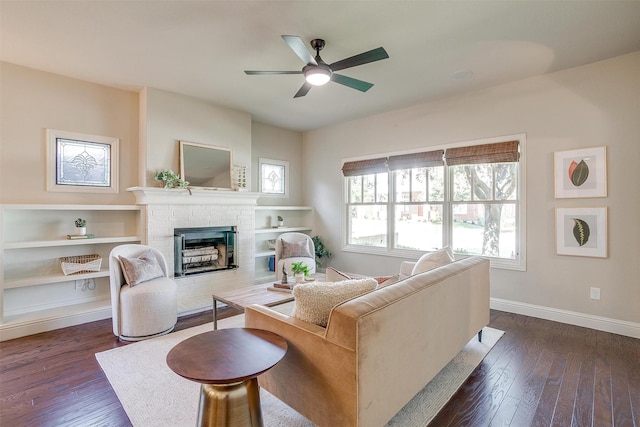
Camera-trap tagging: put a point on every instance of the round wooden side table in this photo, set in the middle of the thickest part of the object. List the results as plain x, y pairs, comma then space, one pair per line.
227, 363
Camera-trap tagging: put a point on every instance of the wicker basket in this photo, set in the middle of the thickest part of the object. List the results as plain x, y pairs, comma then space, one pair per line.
80, 264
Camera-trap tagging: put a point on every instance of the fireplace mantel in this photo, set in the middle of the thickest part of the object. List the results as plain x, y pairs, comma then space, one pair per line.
192, 196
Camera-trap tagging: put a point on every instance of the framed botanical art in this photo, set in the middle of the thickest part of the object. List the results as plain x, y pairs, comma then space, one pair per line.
81, 163
581, 173
581, 232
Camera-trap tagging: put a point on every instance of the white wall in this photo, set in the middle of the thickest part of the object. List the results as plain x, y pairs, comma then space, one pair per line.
278, 144
33, 101
592, 105
170, 117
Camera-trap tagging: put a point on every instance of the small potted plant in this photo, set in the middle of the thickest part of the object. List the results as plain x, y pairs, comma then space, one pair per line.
280, 221
300, 270
170, 179
81, 226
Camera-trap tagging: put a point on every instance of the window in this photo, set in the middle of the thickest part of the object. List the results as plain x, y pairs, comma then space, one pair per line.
274, 177
467, 197
81, 163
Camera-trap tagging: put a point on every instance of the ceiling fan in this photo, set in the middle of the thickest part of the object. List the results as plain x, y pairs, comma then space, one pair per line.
317, 72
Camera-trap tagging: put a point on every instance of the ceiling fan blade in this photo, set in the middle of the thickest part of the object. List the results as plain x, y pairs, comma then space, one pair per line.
351, 82
265, 73
297, 45
363, 58
306, 87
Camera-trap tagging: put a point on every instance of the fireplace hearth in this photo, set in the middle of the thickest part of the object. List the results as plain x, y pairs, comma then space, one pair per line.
200, 250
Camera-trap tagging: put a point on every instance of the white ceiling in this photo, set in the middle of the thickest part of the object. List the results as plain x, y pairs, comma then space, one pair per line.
201, 48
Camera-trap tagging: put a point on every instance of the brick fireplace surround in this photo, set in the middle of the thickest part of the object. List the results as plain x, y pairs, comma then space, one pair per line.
181, 208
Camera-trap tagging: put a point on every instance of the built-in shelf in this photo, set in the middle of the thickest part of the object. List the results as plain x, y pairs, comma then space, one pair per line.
36, 296
52, 278
281, 230
70, 242
296, 219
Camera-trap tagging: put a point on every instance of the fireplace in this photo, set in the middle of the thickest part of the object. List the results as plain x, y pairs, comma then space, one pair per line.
204, 249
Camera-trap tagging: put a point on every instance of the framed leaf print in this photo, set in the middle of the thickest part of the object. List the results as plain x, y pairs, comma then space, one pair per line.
581, 232
581, 173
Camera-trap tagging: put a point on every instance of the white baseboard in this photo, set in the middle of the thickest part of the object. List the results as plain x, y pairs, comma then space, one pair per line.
615, 326
12, 330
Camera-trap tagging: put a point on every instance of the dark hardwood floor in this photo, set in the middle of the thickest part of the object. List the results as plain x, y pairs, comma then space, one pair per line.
541, 373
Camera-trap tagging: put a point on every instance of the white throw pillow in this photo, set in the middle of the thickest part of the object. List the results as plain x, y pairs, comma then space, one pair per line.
141, 269
314, 301
431, 260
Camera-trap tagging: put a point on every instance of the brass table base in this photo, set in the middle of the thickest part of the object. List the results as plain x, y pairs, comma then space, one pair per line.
236, 404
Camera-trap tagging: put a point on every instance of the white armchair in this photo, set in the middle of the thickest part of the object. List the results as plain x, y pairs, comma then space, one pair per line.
148, 308
294, 247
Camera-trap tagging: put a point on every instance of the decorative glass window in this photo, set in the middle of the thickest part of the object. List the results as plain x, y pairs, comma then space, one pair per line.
274, 177
81, 163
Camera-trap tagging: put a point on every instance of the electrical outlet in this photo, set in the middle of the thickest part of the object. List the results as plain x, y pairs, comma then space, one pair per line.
79, 285
595, 293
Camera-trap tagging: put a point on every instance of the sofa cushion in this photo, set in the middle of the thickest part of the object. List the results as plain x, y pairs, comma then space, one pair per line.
314, 301
432, 260
295, 249
140, 269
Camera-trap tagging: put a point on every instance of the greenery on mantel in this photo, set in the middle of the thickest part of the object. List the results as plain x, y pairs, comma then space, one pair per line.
170, 179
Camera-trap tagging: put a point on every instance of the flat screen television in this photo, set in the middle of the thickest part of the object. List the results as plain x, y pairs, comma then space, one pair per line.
206, 166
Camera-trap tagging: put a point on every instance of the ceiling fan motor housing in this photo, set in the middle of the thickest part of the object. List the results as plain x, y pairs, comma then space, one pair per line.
317, 75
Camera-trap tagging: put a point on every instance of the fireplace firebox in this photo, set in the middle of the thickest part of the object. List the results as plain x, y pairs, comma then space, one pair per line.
204, 249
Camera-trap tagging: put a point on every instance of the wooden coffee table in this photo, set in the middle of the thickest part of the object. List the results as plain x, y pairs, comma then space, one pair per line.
244, 297
227, 363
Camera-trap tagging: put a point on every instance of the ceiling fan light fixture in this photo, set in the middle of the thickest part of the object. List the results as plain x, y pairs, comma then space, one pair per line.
317, 75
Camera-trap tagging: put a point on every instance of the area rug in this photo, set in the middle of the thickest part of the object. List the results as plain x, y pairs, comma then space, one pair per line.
153, 395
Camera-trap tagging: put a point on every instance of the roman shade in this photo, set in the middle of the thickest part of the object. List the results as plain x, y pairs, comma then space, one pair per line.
365, 167
416, 160
500, 152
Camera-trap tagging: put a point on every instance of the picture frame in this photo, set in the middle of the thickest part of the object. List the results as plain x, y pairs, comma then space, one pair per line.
581, 173
582, 232
81, 163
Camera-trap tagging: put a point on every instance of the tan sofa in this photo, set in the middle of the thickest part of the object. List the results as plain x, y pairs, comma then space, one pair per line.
379, 349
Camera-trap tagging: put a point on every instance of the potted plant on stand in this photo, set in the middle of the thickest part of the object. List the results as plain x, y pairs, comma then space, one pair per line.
81, 226
300, 270
280, 221
322, 253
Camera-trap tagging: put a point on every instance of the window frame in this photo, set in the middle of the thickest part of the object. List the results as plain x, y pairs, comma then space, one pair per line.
518, 263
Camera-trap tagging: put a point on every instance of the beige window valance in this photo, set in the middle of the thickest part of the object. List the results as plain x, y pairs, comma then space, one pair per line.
416, 160
500, 152
365, 167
